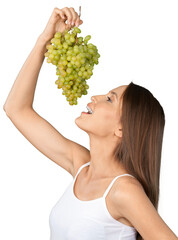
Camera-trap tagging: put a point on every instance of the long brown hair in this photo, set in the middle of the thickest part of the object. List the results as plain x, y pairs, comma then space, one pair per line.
139, 151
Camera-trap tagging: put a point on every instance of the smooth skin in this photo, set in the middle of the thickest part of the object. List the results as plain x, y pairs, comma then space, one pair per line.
129, 198
19, 104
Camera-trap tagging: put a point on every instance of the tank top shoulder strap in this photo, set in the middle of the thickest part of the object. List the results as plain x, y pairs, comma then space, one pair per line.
80, 168
112, 182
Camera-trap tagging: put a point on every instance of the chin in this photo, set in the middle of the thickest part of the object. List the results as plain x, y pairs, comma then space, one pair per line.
77, 122
80, 125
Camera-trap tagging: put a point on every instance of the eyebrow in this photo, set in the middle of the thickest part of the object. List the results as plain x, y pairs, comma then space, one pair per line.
114, 93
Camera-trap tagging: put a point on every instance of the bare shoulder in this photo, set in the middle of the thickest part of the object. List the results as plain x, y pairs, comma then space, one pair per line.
81, 155
132, 203
125, 181
125, 186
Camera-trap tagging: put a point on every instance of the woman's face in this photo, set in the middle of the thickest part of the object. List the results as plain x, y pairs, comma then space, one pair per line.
106, 113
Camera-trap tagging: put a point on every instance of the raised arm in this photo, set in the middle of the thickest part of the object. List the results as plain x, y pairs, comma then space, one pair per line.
19, 103
22, 93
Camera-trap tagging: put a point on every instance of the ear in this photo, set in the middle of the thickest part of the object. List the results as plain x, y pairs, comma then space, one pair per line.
118, 131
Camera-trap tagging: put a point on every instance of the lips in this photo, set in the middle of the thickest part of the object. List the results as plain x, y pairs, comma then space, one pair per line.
89, 105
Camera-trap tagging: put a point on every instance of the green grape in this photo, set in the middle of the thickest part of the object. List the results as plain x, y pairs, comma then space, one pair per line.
85, 92
76, 49
91, 51
69, 70
69, 58
75, 87
67, 36
77, 63
64, 50
68, 42
66, 79
89, 71
69, 52
80, 40
79, 80
53, 40
59, 46
62, 79
85, 74
87, 38
71, 77
69, 64
63, 58
56, 57
82, 69
80, 86
51, 56
71, 102
63, 73
71, 82
73, 54
59, 86
57, 35
65, 45
79, 90
82, 61
80, 73
75, 75
57, 41
90, 45
77, 30
64, 62
72, 39
49, 46
87, 66
57, 81
68, 86
75, 59
50, 50
47, 54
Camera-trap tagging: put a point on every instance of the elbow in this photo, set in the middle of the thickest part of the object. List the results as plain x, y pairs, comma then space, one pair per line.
4, 108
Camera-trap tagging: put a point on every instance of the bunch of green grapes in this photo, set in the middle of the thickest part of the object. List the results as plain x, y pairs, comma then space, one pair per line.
75, 59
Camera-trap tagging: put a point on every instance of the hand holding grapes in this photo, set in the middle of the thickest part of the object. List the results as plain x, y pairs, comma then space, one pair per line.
73, 55
57, 22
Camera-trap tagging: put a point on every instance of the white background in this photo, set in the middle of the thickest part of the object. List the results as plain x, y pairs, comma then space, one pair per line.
138, 42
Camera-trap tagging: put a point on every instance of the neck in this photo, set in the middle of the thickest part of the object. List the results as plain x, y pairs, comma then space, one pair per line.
103, 164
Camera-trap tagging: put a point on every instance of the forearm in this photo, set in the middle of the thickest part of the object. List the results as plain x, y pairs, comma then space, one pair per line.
22, 92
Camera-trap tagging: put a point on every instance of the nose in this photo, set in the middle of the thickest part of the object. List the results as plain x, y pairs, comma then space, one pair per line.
93, 99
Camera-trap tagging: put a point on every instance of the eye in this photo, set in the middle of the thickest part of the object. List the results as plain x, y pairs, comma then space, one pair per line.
109, 99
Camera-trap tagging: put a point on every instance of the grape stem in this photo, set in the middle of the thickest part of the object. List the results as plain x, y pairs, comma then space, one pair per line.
76, 40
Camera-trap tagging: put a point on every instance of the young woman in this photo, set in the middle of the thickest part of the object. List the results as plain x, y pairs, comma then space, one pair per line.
115, 190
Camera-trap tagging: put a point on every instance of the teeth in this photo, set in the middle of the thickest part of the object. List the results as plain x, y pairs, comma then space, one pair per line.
89, 109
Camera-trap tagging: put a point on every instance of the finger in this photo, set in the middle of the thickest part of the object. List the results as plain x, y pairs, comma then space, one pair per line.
59, 12
78, 22
74, 15
68, 13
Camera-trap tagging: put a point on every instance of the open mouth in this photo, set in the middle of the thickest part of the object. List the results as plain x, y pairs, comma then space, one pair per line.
89, 110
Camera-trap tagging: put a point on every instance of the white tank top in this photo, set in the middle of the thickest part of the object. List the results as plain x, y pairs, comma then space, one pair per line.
74, 219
